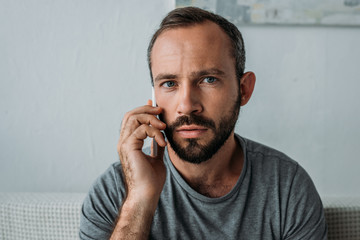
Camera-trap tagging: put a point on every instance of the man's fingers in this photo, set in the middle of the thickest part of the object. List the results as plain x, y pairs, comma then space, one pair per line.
134, 121
145, 131
159, 150
144, 109
147, 119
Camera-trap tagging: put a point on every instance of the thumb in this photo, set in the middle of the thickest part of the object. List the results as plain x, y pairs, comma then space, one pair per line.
156, 150
160, 153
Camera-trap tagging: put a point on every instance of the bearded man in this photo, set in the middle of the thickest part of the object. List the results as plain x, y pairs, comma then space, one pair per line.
205, 181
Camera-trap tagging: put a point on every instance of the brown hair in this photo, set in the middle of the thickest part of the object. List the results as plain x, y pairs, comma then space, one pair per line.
188, 16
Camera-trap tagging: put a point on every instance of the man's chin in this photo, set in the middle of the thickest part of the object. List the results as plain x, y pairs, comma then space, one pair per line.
191, 151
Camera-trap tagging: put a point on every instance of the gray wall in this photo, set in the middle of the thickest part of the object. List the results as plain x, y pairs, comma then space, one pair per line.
69, 70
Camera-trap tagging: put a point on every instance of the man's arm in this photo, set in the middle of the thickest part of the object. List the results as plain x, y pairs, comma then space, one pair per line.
144, 175
121, 203
305, 212
135, 219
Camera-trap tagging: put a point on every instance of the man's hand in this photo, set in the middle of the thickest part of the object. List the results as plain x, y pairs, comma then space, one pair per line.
144, 175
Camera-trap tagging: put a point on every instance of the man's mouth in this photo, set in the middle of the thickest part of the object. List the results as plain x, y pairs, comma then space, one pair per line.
190, 131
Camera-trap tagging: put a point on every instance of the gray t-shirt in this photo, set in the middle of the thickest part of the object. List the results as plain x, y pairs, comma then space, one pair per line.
274, 198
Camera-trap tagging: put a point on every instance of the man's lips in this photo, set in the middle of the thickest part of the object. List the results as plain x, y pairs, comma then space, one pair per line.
191, 131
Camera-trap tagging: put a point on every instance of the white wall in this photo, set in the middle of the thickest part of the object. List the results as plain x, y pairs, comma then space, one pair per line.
69, 70
306, 100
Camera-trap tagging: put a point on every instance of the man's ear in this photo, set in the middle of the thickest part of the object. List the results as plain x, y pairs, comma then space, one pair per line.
247, 84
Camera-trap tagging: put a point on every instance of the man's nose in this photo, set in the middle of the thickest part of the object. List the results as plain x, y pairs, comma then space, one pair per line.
189, 100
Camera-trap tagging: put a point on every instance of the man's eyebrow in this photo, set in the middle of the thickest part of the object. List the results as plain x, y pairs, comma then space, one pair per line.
163, 76
210, 71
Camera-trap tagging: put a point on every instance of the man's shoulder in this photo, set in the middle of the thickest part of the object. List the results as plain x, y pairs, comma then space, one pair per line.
113, 171
116, 166
260, 151
267, 161
275, 173
102, 203
110, 181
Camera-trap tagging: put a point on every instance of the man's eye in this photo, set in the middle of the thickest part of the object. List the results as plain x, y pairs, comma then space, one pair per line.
210, 79
168, 84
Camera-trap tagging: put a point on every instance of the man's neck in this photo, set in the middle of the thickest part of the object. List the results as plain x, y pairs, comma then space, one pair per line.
216, 176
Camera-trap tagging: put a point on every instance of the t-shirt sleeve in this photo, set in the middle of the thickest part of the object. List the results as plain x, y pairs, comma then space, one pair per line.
101, 206
305, 212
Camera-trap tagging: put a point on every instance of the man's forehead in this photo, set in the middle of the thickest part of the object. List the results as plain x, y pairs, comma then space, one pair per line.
193, 36
200, 42
203, 28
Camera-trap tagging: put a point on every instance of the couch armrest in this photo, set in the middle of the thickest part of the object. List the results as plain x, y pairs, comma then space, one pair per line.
40, 215
342, 217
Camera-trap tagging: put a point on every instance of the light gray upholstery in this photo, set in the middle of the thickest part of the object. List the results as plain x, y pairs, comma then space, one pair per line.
342, 217
40, 215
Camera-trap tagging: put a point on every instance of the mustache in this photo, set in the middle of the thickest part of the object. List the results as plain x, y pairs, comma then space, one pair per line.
192, 119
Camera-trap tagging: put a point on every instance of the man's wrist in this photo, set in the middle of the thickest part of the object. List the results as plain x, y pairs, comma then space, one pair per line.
146, 201
135, 217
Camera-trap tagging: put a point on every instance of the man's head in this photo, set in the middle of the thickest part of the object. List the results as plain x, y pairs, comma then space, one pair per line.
196, 80
185, 17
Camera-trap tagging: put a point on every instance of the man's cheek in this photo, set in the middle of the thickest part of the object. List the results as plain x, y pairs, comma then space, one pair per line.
164, 118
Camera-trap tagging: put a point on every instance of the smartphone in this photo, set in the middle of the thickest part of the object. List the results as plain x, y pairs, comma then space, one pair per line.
155, 145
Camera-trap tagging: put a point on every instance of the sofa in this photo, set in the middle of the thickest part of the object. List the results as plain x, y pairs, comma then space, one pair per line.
57, 216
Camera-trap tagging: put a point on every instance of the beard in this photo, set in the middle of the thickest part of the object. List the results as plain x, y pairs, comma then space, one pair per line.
193, 151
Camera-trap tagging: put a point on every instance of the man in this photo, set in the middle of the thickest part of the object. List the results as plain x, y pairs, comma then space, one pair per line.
205, 182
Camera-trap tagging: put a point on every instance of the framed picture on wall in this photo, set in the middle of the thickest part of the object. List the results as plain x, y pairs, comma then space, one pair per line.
294, 12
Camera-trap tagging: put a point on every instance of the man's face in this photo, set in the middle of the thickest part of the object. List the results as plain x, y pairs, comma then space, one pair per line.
195, 84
